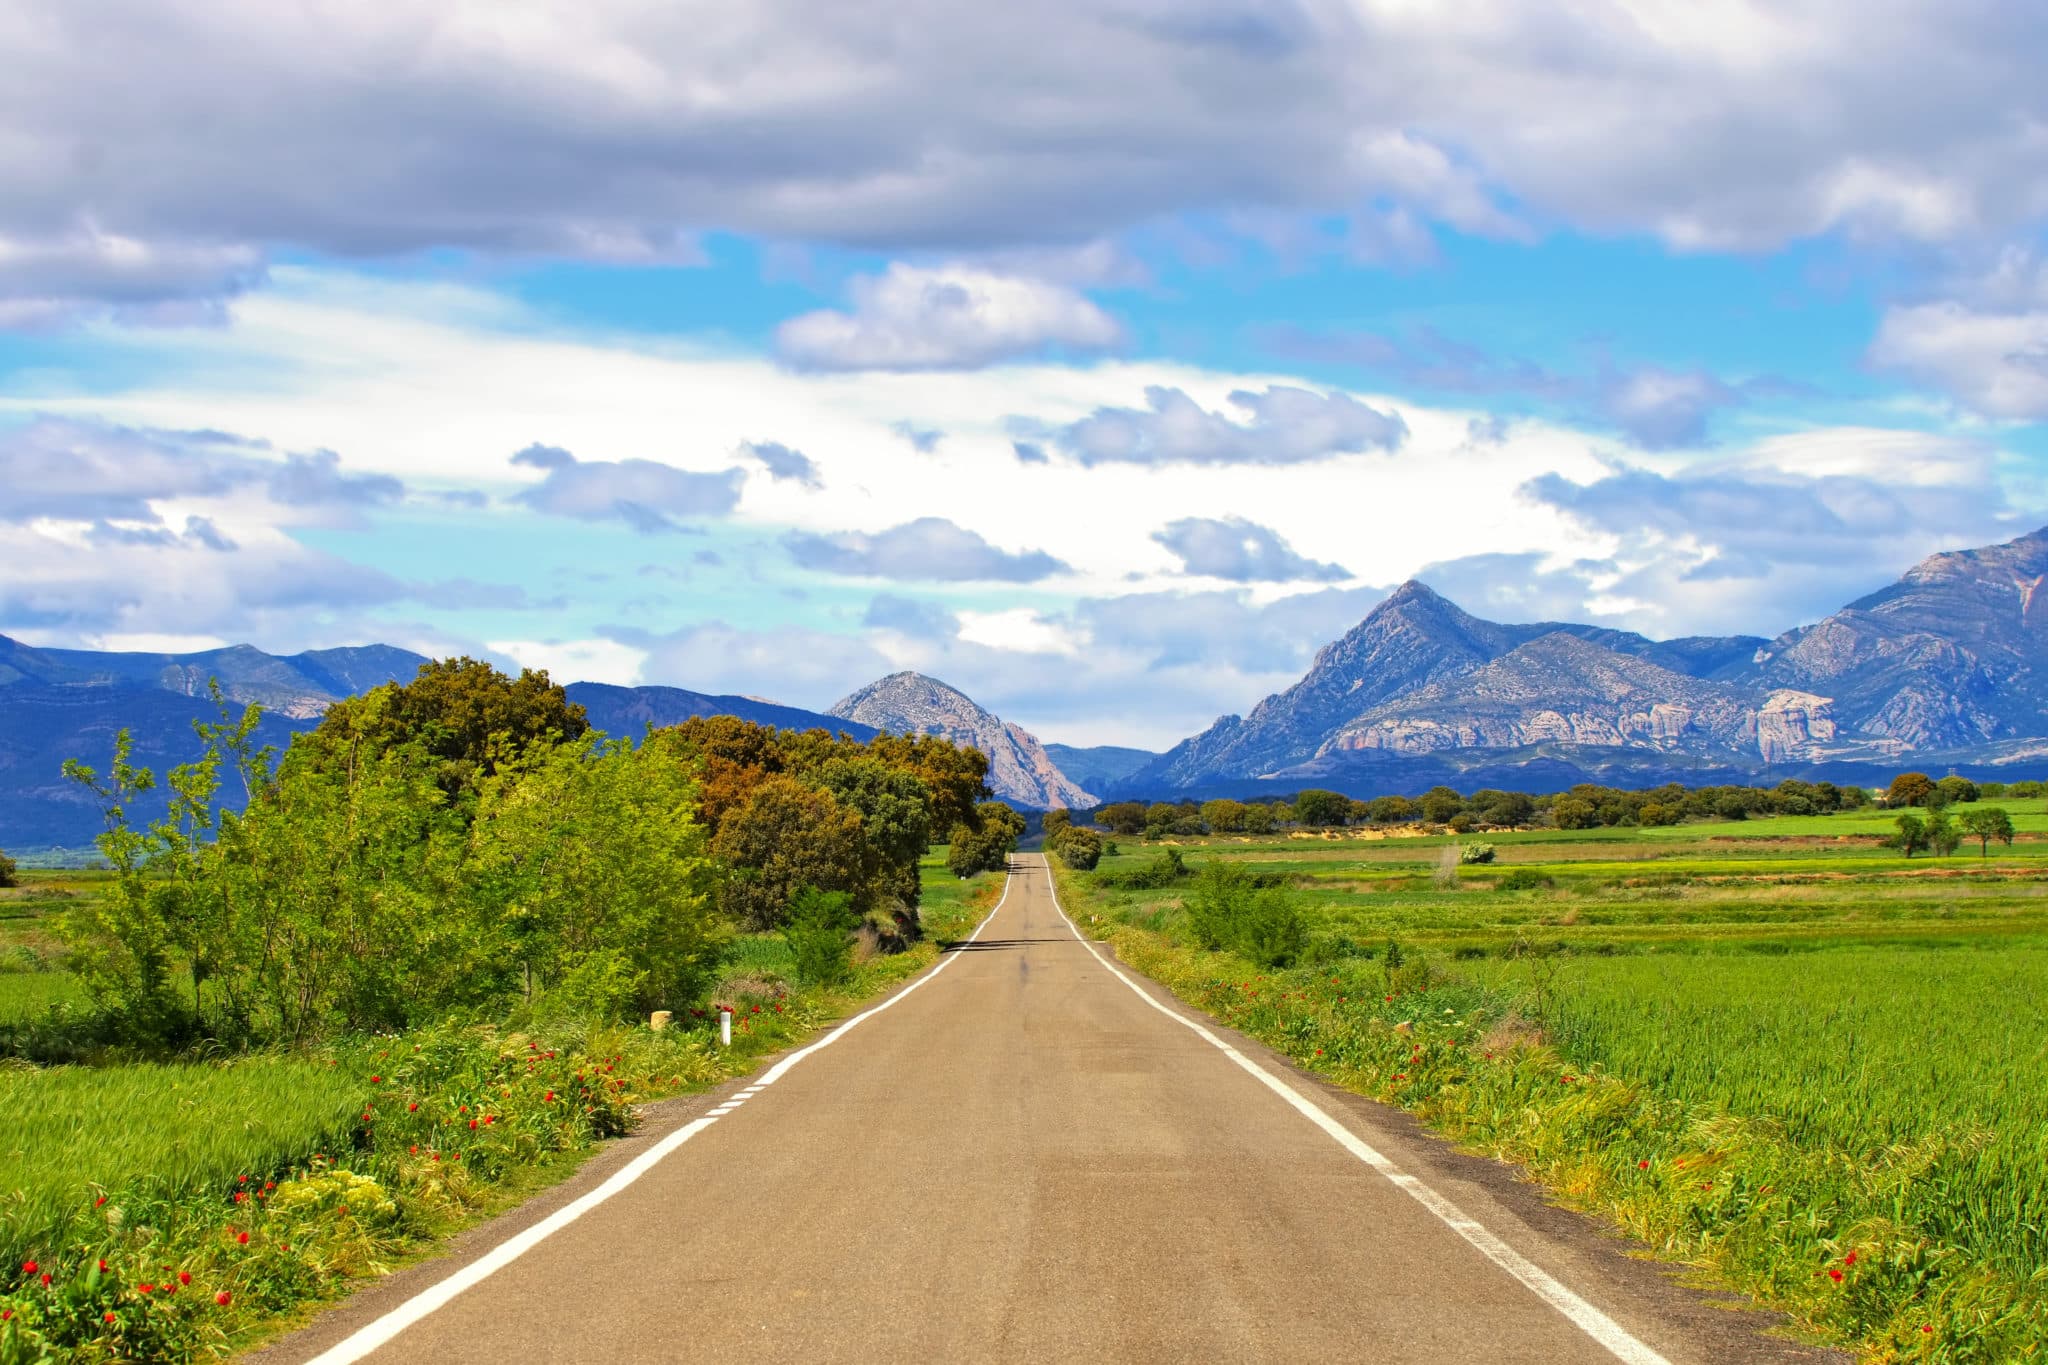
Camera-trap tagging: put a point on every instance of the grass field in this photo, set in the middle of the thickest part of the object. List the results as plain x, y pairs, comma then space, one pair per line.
1851, 1047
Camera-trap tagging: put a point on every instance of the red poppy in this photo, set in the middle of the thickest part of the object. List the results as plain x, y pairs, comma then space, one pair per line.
29, 1267
99, 1201
46, 1279
145, 1288
549, 1097
472, 1123
376, 1080
1835, 1275
1642, 1165
412, 1108
108, 1316
103, 1267
222, 1298
1850, 1259
242, 1237
184, 1277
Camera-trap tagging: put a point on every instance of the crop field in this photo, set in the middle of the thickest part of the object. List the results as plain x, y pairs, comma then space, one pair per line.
1779, 1008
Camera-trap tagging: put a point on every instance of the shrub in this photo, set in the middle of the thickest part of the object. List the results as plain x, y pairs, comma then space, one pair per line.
1228, 908
1523, 879
1473, 854
7, 877
1162, 871
820, 936
1080, 849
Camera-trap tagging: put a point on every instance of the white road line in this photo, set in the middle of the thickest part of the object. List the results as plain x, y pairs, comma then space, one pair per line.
1590, 1320
379, 1333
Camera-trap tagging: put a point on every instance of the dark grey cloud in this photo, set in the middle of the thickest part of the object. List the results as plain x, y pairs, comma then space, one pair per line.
911, 616
781, 462
1281, 425
1241, 551
930, 548
960, 132
647, 496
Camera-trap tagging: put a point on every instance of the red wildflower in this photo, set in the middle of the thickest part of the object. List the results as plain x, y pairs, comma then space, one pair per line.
1835, 1275
29, 1267
242, 1237
376, 1080
243, 1179
108, 1316
103, 1267
99, 1201
222, 1298
1850, 1259
549, 1097
46, 1279
146, 1287
472, 1123
184, 1277
1642, 1165
412, 1108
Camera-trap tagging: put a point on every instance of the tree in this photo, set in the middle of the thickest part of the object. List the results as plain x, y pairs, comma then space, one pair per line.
1390, 810
987, 844
1911, 837
1056, 822
1321, 808
1942, 836
1258, 818
1570, 813
1122, 817
1985, 824
1910, 789
1080, 849
896, 822
1655, 814
1223, 817
461, 711
785, 837
1440, 804
1956, 791
7, 873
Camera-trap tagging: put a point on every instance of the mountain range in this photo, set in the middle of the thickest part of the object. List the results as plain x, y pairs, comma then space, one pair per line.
1947, 667
1949, 664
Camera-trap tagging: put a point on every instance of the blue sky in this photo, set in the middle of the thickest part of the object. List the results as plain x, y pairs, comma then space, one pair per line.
1104, 359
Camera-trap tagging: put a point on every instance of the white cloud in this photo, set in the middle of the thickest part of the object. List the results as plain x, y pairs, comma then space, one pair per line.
948, 318
597, 660
1993, 362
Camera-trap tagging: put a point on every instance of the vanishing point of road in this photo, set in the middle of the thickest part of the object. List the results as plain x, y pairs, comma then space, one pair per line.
1033, 1154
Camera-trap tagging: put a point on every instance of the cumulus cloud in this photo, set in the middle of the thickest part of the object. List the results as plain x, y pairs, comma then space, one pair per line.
930, 548
947, 318
781, 462
91, 471
646, 495
1282, 425
1241, 551
1985, 342
1776, 536
65, 273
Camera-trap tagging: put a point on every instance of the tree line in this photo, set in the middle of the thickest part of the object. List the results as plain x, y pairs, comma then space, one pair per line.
466, 841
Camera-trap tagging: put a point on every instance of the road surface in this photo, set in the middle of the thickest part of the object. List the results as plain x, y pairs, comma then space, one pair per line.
1028, 1155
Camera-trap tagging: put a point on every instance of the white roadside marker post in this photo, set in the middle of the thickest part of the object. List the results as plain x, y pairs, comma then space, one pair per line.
725, 1025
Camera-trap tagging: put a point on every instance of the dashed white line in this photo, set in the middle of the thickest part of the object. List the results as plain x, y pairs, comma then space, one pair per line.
379, 1333
1590, 1320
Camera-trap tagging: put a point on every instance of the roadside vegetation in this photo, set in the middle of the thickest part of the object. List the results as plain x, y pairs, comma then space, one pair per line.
344, 1000
1785, 1049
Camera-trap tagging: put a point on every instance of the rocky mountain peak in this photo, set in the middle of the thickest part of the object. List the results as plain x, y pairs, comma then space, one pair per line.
1020, 771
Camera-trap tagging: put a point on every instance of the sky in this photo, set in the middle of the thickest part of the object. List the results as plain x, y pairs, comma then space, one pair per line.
1104, 360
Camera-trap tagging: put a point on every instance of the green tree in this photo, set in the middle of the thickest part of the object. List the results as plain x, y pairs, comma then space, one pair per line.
1122, 817
1910, 789
1942, 836
1986, 823
896, 822
1956, 791
1080, 849
1223, 816
7, 871
1911, 837
985, 846
462, 712
1440, 804
784, 837
1321, 808
1056, 821
1258, 818
1570, 813
1390, 810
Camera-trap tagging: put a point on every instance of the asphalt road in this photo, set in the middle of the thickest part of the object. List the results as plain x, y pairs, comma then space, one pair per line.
1026, 1157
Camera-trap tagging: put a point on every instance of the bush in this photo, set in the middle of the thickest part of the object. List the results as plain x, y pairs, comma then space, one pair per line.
1523, 879
820, 936
7, 877
1080, 849
1162, 871
1473, 854
1228, 908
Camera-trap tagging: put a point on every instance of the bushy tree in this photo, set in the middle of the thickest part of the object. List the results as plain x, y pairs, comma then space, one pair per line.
1569, 813
462, 712
8, 875
1956, 791
1055, 822
1258, 818
1910, 789
1942, 836
1080, 849
895, 810
1439, 804
787, 836
987, 844
1122, 817
1390, 810
1223, 816
1985, 824
1321, 808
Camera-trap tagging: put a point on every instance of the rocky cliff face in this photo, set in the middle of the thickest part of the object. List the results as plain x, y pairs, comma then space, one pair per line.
1020, 771
1952, 658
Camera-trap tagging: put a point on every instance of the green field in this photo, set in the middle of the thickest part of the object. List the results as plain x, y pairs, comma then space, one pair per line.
1862, 1036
